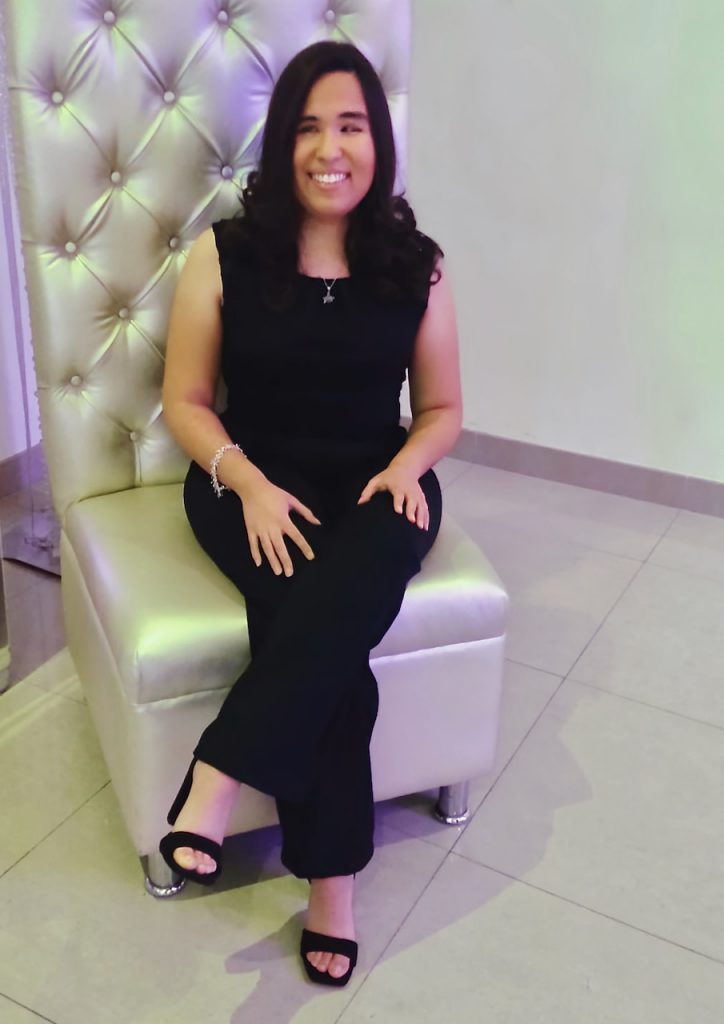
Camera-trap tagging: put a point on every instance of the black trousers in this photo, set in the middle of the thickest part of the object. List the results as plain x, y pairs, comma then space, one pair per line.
297, 723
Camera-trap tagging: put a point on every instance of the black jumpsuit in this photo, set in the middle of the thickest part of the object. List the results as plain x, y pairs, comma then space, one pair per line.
313, 399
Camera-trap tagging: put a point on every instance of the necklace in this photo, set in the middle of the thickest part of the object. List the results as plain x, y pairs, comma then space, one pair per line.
329, 297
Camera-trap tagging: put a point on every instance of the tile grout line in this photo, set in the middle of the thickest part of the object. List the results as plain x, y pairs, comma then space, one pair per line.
393, 936
592, 910
54, 829
22, 1006
645, 704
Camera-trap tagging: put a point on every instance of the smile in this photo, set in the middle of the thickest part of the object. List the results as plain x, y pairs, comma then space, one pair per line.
329, 179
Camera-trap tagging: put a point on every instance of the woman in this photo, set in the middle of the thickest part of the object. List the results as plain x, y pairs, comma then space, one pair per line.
320, 506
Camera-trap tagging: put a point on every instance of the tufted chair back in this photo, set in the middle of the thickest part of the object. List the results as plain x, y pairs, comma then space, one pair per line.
135, 124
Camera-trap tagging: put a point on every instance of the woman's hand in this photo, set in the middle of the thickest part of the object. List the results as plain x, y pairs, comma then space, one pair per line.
266, 515
405, 489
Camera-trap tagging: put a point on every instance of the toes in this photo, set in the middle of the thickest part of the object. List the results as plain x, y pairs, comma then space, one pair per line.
334, 964
193, 860
339, 966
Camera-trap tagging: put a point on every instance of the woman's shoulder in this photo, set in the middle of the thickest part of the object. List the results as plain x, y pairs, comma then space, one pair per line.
231, 240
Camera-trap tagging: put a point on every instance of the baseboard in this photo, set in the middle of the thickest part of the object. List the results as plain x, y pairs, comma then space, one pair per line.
686, 492
21, 470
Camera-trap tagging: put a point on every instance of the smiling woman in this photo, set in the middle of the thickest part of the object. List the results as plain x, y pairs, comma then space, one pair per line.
313, 306
334, 167
328, 115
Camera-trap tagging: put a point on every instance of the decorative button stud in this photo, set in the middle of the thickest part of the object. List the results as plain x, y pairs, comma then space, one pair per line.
227, 172
57, 97
169, 97
110, 17
223, 17
123, 313
330, 16
173, 243
71, 248
116, 177
76, 381
133, 435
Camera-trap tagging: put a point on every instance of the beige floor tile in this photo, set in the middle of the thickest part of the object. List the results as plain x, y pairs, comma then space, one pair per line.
615, 806
579, 515
57, 675
81, 941
560, 592
526, 691
12, 1013
50, 764
449, 469
663, 644
481, 948
694, 544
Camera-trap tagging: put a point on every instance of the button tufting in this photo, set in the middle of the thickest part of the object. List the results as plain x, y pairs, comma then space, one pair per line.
133, 435
123, 313
110, 17
223, 17
169, 97
116, 177
330, 15
76, 381
173, 243
71, 248
57, 97
227, 172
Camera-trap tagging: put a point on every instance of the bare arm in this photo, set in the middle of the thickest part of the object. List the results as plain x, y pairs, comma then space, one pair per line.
435, 389
193, 356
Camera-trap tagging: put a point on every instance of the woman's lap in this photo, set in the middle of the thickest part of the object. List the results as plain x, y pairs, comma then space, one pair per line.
219, 527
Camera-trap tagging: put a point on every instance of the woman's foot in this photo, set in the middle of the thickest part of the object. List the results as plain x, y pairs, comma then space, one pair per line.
330, 912
206, 812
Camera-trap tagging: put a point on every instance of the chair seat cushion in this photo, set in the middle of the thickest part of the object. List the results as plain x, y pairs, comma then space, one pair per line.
176, 625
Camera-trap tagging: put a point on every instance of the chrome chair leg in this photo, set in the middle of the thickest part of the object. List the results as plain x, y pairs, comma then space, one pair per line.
160, 880
452, 805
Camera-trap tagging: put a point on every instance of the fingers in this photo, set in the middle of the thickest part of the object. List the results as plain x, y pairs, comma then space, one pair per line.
306, 512
301, 541
276, 551
417, 510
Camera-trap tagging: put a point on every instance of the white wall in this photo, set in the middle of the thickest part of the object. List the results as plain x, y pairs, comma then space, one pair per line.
568, 155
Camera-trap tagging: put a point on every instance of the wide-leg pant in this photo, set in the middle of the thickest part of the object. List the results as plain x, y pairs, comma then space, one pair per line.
297, 723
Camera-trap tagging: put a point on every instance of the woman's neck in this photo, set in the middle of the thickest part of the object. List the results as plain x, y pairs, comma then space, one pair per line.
321, 248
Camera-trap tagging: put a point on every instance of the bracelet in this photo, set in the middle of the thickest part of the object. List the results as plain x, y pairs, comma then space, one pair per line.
220, 488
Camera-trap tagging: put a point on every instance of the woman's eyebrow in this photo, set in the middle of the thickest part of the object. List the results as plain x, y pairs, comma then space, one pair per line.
355, 115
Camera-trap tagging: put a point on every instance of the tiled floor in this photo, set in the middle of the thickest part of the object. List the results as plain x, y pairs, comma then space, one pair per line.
587, 888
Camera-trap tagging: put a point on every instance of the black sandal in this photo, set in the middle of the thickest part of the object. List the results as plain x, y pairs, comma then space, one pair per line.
315, 942
174, 840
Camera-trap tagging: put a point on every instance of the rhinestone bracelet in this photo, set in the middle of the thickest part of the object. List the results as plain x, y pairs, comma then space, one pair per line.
220, 488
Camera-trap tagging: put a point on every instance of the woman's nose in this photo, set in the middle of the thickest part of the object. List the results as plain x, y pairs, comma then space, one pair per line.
328, 144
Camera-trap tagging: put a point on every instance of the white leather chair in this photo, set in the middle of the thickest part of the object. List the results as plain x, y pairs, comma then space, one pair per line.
133, 132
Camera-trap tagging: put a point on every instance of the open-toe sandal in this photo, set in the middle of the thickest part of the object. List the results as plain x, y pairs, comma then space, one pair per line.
316, 942
174, 840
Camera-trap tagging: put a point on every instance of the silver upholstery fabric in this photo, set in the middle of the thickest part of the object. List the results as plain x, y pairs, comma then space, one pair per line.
136, 123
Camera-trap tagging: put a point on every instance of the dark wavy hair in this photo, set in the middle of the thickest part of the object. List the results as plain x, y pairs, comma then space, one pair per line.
382, 243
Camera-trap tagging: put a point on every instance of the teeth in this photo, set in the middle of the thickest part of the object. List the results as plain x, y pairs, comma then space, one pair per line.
329, 178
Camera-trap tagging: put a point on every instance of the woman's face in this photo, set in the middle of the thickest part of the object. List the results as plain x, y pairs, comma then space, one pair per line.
333, 138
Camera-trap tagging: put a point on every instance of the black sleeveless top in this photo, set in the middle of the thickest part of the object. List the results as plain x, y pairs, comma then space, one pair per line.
318, 385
